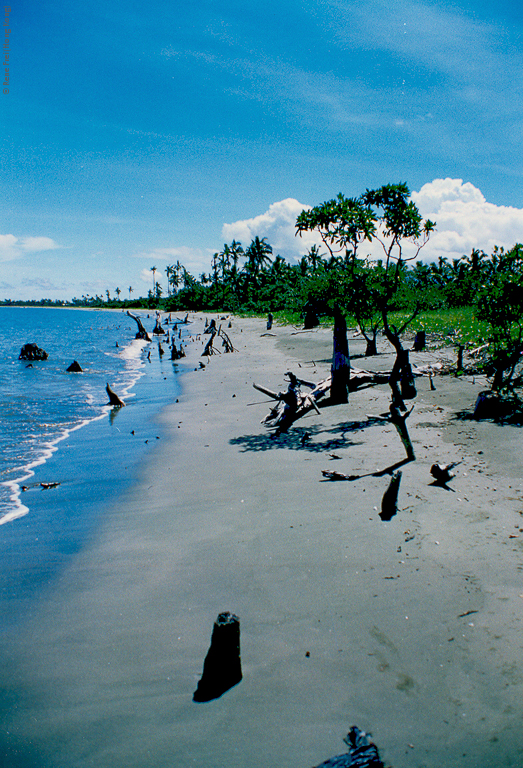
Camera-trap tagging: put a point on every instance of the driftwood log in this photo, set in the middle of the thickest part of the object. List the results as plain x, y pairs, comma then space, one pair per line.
363, 753
222, 667
307, 402
141, 333
32, 352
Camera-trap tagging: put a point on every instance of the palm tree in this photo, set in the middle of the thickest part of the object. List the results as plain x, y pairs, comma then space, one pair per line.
258, 255
118, 292
130, 289
153, 270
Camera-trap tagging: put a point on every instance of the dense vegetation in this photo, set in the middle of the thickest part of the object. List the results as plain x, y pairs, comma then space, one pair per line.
388, 294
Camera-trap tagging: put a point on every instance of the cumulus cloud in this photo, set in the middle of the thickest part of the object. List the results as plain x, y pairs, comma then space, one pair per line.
465, 220
278, 225
12, 247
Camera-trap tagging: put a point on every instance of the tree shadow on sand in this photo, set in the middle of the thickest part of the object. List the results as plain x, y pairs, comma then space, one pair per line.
306, 438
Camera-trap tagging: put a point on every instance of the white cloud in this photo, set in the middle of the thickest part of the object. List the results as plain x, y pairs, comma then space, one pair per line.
12, 247
278, 225
465, 220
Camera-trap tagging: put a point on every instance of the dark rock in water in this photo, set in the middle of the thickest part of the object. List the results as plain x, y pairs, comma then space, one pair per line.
362, 752
75, 367
32, 352
222, 667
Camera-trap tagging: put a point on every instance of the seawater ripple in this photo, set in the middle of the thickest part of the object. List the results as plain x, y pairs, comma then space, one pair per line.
40, 405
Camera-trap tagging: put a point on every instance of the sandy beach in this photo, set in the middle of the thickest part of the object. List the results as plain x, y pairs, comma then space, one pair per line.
409, 629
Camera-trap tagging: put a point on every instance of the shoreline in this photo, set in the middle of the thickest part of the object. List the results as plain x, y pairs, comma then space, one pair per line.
408, 629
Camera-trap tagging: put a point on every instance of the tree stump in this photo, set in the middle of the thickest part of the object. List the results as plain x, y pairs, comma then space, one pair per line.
113, 397
222, 667
420, 341
75, 367
389, 503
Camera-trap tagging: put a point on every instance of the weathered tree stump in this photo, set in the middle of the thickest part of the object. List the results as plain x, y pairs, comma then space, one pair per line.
340, 368
158, 330
141, 333
269, 321
399, 420
420, 341
389, 503
113, 397
222, 667
32, 352
75, 367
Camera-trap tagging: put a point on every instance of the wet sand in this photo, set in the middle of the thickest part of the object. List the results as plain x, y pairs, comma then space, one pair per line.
410, 629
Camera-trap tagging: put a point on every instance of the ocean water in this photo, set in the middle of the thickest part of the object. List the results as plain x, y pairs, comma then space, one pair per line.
57, 429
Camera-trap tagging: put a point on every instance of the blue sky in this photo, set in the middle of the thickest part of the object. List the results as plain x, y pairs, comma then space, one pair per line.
136, 134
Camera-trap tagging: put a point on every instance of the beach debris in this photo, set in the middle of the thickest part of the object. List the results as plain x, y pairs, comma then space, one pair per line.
389, 503
75, 367
141, 333
46, 486
177, 354
363, 753
331, 474
270, 319
158, 330
32, 352
211, 326
113, 397
226, 341
442, 472
399, 420
222, 666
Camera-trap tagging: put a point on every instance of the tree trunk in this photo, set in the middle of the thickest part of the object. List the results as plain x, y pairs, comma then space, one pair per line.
222, 667
340, 368
142, 333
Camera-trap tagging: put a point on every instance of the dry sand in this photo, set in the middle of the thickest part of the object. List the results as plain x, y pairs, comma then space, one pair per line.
409, 629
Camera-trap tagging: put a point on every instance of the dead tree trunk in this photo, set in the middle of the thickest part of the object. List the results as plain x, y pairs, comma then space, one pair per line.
340, 368
400, 422
222, 667
389, 503
158, 330
113, 397
142, 333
